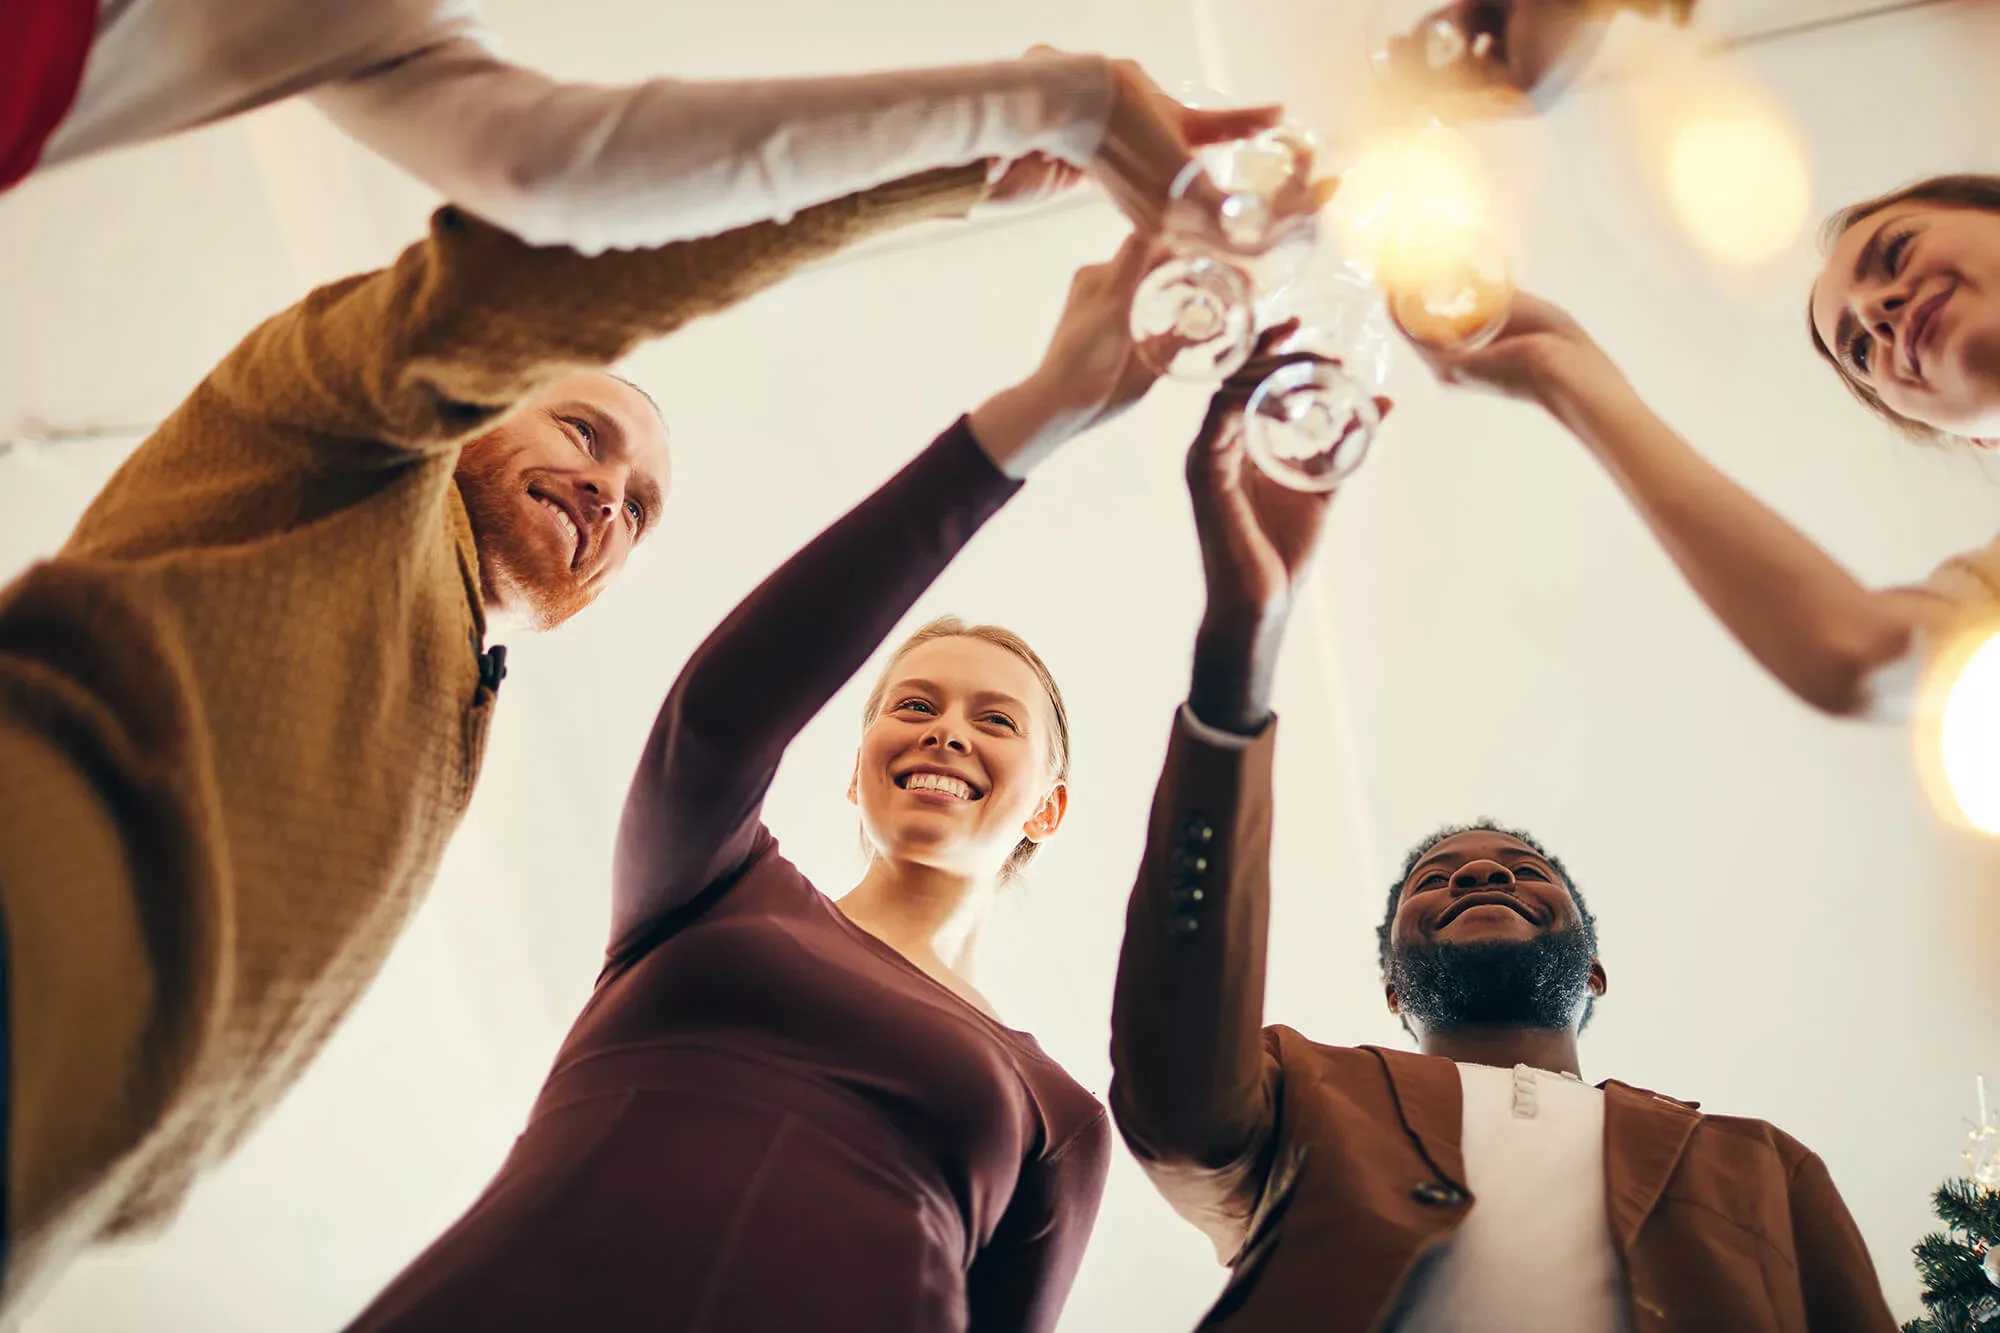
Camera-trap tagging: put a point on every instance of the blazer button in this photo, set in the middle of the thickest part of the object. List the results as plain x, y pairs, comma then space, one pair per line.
1183, 925
1437, 1194
1186, 896
1196, 831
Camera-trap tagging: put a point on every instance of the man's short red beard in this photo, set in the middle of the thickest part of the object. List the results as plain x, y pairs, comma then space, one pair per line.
510, 572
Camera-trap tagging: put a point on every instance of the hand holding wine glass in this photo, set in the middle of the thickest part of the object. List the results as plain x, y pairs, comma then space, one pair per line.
1090, 373
1150, 140
1538, 352
1479, 59
1257, 535
1200, 304
1033, 179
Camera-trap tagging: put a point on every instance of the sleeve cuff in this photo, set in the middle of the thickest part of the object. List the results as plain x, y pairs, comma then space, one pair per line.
1080, 93
1218, 738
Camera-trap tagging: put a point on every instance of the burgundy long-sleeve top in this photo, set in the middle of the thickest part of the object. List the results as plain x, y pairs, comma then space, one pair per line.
765, 1118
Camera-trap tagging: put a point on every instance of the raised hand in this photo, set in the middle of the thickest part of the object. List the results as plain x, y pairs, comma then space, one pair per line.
1149, 140
1257, 537
1518, 55
1090, 373
1033, 179
1540, 351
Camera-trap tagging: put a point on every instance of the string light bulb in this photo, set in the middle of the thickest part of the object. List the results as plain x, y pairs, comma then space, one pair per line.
1957, 731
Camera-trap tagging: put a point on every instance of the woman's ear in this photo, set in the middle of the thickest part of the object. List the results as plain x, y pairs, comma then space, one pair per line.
854, 782
1048, 816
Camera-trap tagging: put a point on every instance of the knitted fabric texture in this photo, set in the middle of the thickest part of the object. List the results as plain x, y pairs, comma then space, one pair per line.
241, 711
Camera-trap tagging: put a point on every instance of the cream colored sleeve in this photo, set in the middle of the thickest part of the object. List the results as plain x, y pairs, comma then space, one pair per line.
1970, 580
1962, 592
597, 168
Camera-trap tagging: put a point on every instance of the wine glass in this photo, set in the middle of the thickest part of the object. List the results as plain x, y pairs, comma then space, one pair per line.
1194, 318
1450, 290
1480, 59
1309, 423
1240, 221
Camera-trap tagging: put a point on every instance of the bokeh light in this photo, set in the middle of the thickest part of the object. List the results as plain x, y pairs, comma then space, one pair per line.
1967, 737
1721, 149
1409, 200
1416, 211
1739, 184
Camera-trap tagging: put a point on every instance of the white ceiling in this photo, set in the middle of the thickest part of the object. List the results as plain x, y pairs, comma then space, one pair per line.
1789, 932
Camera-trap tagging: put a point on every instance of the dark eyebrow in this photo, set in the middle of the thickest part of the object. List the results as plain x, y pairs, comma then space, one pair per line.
1429, 863
1519, 853
1866, 259
1844, 328
649, 496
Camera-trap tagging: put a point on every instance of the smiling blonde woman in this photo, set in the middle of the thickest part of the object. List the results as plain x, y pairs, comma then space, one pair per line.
779, 1111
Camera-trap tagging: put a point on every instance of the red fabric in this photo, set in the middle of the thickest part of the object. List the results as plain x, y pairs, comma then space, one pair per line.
43, 44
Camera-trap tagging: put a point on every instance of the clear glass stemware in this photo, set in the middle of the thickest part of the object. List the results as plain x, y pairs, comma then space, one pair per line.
1310, 423
1479, 59
1240, 221
1450, 292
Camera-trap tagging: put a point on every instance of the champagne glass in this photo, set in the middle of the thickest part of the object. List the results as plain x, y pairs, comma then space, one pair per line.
1310, 423
1240, 221
1480, 59
1449, 290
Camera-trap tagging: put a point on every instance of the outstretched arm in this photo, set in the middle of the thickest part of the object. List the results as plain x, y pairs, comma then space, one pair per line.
692, 814
1813, 625
1193, 1088
471, 321
599, 167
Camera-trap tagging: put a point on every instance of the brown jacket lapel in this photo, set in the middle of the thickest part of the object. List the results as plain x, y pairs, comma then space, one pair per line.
1644, 1137
1432, 1104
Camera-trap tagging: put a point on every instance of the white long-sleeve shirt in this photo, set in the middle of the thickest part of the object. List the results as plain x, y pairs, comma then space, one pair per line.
419, 82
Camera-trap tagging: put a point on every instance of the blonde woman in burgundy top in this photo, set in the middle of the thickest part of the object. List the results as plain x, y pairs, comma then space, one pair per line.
780, 1112
421, 83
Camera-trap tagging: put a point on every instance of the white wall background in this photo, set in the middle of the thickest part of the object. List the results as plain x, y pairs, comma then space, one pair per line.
1789, 931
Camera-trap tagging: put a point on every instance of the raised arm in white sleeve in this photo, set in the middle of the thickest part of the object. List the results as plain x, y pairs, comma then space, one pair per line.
600, 168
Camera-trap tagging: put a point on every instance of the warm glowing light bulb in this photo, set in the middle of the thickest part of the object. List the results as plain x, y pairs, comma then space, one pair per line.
1739, 184
1405, 198
1416, 213
1969, 737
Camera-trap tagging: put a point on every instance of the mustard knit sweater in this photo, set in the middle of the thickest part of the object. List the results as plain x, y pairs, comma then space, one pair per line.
242, 711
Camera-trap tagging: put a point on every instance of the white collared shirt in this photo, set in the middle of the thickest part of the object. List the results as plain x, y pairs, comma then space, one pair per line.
1534, 1253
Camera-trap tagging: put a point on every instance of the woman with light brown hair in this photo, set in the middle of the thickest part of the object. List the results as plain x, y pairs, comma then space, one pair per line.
1906, 310
780, 1111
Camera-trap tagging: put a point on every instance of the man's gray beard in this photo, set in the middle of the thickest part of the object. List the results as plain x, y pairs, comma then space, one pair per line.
1539, 983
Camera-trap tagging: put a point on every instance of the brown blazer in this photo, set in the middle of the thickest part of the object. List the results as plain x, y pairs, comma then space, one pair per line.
1329, 1175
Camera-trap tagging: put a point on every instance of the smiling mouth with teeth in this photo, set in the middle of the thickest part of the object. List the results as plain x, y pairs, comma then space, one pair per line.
568, 527
937, 782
